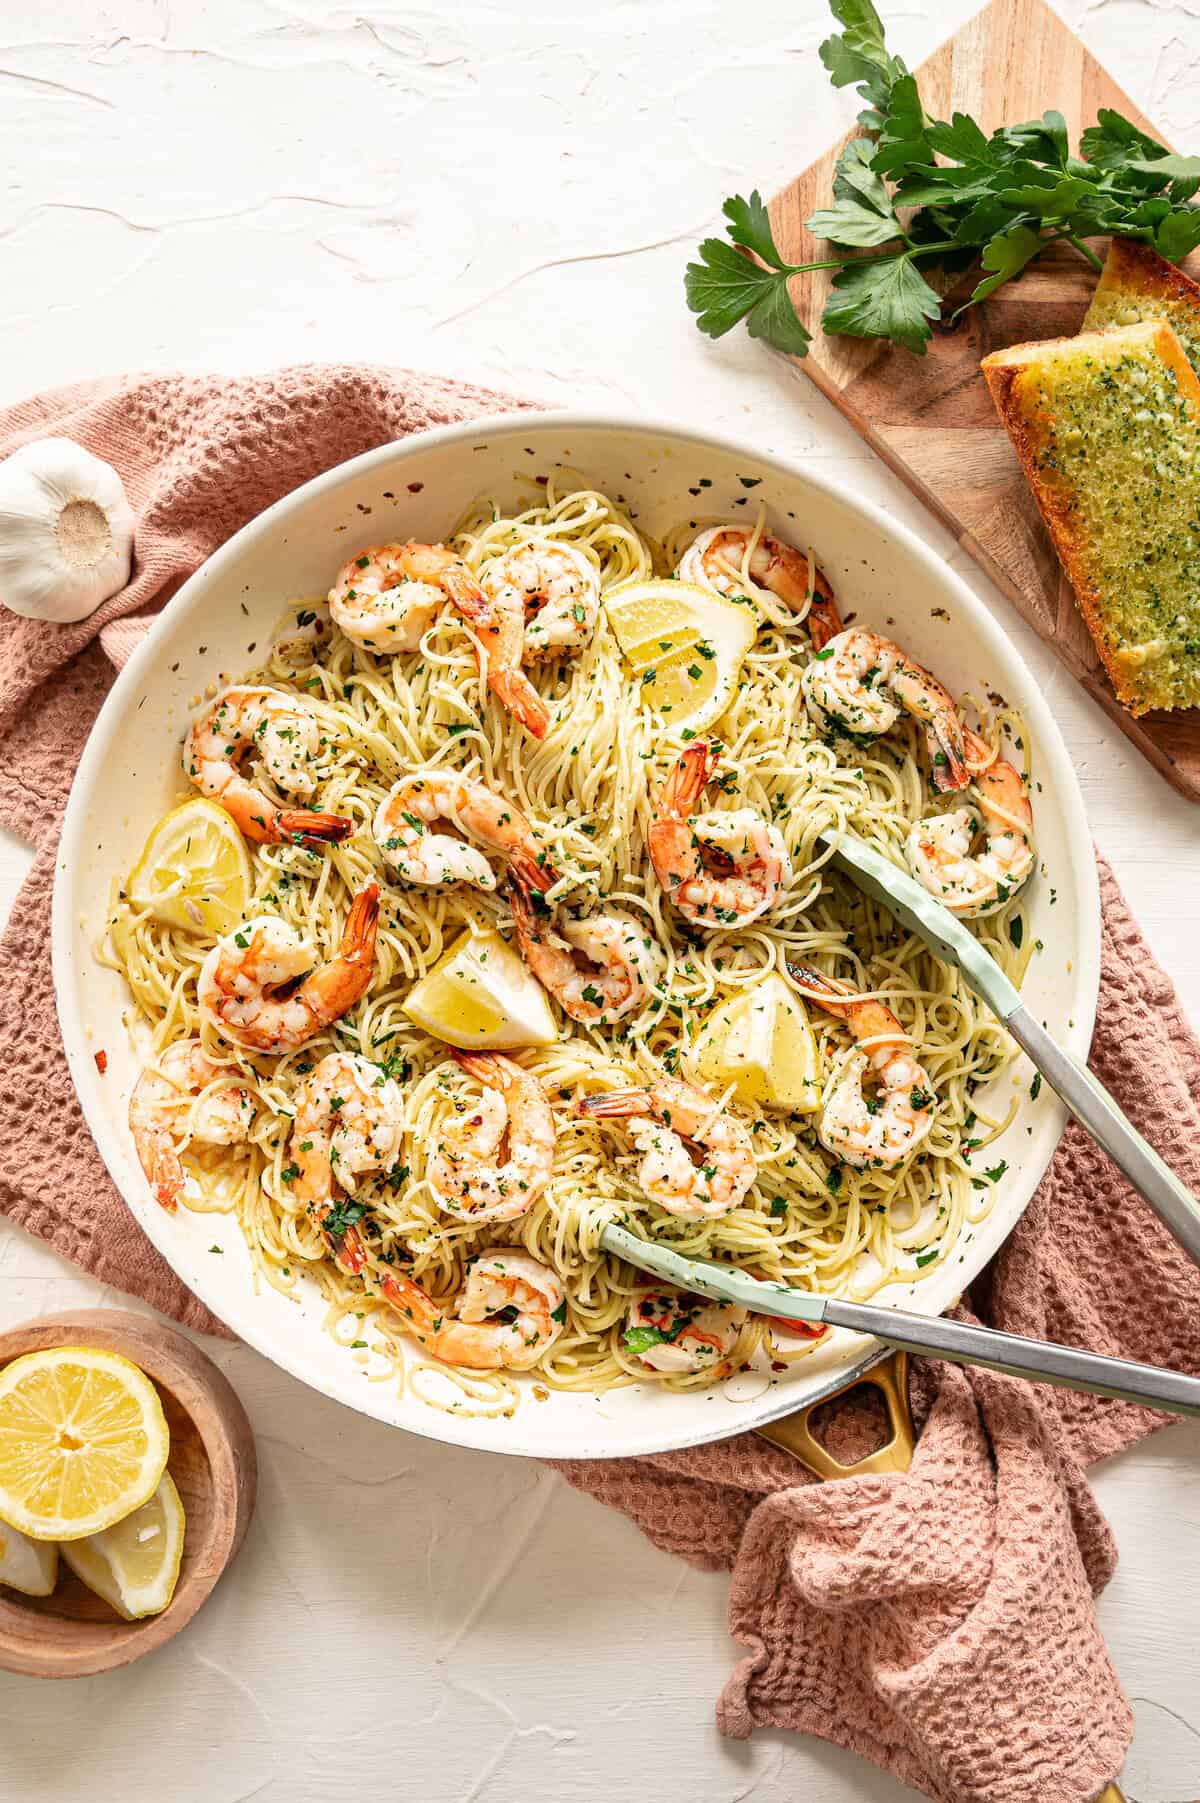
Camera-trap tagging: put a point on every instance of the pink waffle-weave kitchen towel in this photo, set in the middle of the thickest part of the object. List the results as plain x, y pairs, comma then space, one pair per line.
942, 1622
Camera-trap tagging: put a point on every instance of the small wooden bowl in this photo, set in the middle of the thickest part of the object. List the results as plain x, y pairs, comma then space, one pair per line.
73, 1633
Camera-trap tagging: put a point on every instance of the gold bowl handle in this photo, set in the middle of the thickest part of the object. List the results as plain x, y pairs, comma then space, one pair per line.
794, 1435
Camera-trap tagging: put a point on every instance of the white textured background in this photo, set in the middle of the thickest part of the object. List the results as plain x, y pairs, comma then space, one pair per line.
506, 192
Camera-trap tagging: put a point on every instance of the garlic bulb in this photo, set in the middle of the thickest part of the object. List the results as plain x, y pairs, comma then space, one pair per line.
66, 531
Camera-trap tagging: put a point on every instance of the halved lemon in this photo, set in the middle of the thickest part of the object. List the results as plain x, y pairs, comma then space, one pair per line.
761, 1042
684, 645
83, 1441
134, 1565
482, 996
194, 871
30, 1566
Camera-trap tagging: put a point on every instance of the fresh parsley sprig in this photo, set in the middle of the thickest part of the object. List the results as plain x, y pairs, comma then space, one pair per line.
916, 192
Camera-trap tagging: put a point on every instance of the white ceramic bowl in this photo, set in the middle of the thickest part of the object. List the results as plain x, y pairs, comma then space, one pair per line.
130, 772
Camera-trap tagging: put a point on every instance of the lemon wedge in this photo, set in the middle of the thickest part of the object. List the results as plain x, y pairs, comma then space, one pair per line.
83, 1441
30, 1566
685, 646
481, 995
762, 1044
134, 1565
194, 871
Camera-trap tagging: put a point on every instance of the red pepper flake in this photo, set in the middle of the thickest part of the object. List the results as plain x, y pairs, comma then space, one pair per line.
102, 1062
414, 488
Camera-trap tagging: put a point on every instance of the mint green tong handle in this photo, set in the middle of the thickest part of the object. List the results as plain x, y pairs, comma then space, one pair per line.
1068, 1077
1043, 1361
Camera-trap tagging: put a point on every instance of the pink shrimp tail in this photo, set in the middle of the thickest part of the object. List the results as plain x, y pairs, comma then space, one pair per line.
529, 876
515, 691
409, 1299
827, 992
158, 1158
349, 1254
311, 829
948, 765
362, 925
823, 620
977, 753
482, 1065
507, 681
1004, 792
613, 1102
686, 783
464, 590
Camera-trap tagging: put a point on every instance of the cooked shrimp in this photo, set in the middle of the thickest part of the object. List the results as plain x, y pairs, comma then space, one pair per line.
881, 1130
861, 682
349, 1120
670, 1119
389, 595
715, 560
558, 591
405, 817
499, 623
597, 969
939, 848
720, 870
286, 736
468, 1172
502, 1282
677, 1333
180, 1099
248, 986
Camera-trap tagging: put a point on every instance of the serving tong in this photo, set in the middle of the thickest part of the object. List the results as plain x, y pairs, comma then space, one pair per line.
933, 1335
1068, 1077
1087, 1099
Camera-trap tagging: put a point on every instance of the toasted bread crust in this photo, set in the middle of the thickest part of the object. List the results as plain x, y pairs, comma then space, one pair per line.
1030, 432
1135, 272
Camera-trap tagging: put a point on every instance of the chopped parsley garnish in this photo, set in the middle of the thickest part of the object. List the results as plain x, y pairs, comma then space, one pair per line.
341, 1216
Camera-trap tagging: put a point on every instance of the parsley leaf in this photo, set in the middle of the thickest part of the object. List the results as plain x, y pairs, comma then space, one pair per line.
1003, 258
725, 286
859, 56
341, 1215
774, 319
852, 222
887, 298
750, 226
1108, 144
1174, 168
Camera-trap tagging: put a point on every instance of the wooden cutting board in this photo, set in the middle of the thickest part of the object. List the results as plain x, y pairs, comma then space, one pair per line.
931, 418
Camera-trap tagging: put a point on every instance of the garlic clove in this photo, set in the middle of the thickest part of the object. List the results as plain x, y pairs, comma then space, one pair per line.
66, 531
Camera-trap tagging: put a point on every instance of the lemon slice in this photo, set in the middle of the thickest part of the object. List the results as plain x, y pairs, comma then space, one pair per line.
761, 1042
134, 1565
685, 645
482, 996
83, 1441
30, 1566
194, 871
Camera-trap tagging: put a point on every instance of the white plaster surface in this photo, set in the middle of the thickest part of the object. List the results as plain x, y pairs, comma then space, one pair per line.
507, 192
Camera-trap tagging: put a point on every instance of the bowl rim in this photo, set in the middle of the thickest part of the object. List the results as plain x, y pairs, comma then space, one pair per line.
1052, 747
